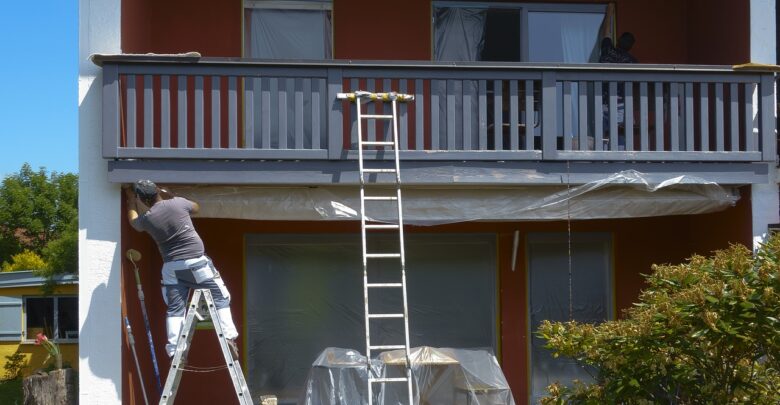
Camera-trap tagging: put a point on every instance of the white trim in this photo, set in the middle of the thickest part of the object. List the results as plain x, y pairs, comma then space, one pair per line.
762, 31
289, 5
100, 331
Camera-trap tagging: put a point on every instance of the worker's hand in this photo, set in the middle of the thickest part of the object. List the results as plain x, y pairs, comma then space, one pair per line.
129, 193
165, 194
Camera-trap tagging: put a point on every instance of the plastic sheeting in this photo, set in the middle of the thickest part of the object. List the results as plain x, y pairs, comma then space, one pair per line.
627, 194
289, 34
304, 292
440, 376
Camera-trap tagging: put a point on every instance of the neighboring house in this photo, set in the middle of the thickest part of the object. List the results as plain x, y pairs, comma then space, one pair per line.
25, 311
514, 149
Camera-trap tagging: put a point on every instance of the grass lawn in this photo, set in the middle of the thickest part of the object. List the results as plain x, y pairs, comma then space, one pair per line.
11, 392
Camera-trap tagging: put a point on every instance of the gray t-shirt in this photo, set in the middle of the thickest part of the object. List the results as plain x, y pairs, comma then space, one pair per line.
170, 225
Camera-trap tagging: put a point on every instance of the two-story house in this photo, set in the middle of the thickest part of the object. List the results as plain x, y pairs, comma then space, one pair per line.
537, 183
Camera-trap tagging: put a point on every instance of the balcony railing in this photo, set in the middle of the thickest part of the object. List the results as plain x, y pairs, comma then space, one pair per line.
217, 109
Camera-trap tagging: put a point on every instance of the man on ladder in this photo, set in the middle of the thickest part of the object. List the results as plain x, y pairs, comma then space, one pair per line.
369, 195
185, 266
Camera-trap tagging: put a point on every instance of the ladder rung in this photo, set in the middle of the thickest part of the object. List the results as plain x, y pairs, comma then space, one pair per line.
378, 170
381, 226
387, 380
377, 116
377, 316
378, 143
384, 285
380, 198
387, 347
382, 255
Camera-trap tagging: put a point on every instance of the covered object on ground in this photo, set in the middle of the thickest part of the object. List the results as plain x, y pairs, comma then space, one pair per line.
440, 376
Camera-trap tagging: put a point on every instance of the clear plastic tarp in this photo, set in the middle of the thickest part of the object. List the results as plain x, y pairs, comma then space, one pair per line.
439, 376
627, 194
304, 292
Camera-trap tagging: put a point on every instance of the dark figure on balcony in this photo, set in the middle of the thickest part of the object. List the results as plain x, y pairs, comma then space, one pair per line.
619, 54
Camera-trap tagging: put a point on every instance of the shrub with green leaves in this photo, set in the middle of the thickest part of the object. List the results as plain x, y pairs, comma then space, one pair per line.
26, 260
703, 332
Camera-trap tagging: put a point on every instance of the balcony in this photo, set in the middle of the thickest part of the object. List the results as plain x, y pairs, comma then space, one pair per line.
187, 110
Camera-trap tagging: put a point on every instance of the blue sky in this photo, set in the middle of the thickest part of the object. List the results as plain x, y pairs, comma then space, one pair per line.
39, 85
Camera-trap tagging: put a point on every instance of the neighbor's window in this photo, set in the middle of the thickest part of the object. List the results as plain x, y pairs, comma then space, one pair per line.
559, 32
288, 29
56, 317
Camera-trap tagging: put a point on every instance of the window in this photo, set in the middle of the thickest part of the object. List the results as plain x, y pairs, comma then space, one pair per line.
529, 32
304, 293
555, 294
288, 29
56, 317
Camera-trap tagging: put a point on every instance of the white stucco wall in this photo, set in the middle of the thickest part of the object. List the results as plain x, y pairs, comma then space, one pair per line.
764, 197
100, 327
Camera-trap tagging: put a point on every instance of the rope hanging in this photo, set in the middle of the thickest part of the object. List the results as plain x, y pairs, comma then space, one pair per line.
568, 230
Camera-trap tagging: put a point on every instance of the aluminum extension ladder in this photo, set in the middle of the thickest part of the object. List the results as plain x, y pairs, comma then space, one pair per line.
366, 228
197, 313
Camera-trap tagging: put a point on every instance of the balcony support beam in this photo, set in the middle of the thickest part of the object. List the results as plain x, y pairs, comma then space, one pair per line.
420, 173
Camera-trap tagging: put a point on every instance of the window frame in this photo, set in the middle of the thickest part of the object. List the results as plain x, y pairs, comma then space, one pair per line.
28, 340
525, 9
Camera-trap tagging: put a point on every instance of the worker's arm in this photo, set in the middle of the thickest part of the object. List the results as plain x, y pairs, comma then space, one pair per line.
135, 207
166, 194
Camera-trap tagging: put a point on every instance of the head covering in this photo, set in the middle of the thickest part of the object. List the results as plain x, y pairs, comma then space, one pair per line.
146, 189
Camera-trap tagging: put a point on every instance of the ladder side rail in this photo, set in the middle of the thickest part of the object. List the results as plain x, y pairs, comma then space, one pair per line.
361, 173
182, 348
234, 368
401, 242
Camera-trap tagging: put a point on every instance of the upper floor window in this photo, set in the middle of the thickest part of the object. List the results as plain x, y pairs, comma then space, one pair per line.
565, 33
288, 29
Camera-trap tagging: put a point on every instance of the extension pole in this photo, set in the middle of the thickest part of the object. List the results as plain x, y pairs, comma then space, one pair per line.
134, 255
131, 341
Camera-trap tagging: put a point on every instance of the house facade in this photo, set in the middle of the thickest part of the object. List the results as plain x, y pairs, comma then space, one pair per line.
537, 183
25, 311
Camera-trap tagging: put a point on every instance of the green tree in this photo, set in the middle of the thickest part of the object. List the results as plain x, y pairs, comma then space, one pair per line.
36, 209
704, 332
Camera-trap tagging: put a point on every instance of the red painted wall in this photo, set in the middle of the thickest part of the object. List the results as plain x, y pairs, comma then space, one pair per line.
718, 31
658, 26
174, 26
667, 31
400, 29
637, 244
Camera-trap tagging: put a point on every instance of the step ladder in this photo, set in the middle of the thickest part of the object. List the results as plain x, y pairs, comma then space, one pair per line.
366, 228
202, 309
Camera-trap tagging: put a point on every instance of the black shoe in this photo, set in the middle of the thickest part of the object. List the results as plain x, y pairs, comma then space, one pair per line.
233, 348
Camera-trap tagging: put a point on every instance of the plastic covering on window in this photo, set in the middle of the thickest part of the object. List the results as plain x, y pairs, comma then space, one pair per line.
627, 194
439, 376
289, 34
459, 33
304, 293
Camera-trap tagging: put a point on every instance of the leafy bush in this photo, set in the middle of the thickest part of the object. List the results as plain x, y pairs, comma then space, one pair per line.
14, 364
26, 260
706, 331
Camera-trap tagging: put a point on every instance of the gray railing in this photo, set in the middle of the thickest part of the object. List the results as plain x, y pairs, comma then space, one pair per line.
238, 109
